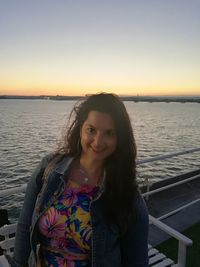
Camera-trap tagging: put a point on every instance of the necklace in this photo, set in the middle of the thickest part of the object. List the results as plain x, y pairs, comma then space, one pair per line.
86, 177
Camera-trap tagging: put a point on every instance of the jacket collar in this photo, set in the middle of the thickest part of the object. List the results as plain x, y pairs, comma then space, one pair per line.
63, 165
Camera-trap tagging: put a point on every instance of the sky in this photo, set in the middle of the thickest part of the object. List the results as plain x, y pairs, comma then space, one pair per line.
77, 47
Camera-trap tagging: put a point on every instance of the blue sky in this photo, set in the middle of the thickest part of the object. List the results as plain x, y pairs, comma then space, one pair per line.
133, 47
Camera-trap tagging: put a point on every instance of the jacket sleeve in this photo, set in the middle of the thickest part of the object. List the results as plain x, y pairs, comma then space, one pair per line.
134, 244
22, 240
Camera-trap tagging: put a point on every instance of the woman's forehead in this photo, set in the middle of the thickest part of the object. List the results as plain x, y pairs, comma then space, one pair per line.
100, 119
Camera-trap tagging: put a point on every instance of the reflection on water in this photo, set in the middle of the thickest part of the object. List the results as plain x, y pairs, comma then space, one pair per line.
31, 128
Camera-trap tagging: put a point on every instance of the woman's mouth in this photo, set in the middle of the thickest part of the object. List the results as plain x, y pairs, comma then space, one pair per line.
96, 150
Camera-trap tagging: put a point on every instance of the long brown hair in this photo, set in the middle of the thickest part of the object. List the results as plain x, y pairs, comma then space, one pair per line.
121, 185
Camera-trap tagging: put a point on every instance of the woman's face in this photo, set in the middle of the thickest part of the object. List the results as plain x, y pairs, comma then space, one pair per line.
98, 136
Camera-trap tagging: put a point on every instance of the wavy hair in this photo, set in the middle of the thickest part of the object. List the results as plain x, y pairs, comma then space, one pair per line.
121, 186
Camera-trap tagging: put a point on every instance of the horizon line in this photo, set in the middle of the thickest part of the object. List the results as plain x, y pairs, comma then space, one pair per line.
76, 96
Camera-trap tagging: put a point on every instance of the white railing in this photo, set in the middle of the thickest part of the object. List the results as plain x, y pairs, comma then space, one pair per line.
170, 185
156, 258
22, 188
178, 209
183, 241
170, 155
14, 190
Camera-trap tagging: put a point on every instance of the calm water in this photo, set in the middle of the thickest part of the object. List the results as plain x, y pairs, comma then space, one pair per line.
31, 128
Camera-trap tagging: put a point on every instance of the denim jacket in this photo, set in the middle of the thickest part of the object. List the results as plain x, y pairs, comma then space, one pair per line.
108, 248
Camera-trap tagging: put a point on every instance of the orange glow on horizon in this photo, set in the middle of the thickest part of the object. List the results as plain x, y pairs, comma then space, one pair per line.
75, 91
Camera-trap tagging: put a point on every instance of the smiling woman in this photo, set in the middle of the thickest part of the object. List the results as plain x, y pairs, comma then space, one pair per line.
82, 204
98, 139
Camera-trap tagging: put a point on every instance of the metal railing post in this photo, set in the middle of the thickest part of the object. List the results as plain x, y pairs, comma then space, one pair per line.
181, 254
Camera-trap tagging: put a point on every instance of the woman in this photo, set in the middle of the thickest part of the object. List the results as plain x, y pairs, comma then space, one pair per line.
82, 204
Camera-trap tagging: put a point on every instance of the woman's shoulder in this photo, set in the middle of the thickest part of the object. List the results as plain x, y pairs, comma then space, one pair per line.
42, 165
140, 207
52, 157
56, 162
48, 157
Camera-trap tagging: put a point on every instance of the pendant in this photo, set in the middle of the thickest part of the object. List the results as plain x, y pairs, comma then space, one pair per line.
86, 179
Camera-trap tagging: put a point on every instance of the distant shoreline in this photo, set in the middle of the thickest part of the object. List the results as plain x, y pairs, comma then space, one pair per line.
167, 99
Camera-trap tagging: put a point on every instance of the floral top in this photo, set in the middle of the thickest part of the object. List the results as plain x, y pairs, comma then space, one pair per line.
65, 228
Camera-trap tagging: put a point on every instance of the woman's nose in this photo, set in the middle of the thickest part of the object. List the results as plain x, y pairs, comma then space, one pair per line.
98, 140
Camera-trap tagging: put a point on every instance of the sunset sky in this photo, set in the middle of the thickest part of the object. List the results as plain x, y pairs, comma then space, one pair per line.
75, 47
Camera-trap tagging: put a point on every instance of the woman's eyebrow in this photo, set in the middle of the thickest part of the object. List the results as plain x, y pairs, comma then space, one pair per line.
91, 125
111, 129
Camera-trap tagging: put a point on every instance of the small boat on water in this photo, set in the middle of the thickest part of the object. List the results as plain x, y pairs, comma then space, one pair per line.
173, 204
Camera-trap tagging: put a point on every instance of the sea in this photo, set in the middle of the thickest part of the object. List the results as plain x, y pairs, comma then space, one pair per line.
30, 129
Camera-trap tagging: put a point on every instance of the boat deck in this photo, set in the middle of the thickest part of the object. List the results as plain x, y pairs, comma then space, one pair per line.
170, 201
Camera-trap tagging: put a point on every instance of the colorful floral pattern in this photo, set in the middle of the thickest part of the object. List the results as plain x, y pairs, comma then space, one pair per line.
65, 228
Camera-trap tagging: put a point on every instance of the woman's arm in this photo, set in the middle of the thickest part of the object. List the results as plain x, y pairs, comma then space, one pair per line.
22, 240
134, 245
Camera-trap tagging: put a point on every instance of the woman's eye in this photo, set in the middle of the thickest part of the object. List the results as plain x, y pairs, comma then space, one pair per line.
111, 133
90, 130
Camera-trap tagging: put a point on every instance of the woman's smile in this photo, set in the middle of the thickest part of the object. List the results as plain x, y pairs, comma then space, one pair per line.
97, 150
98, 136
